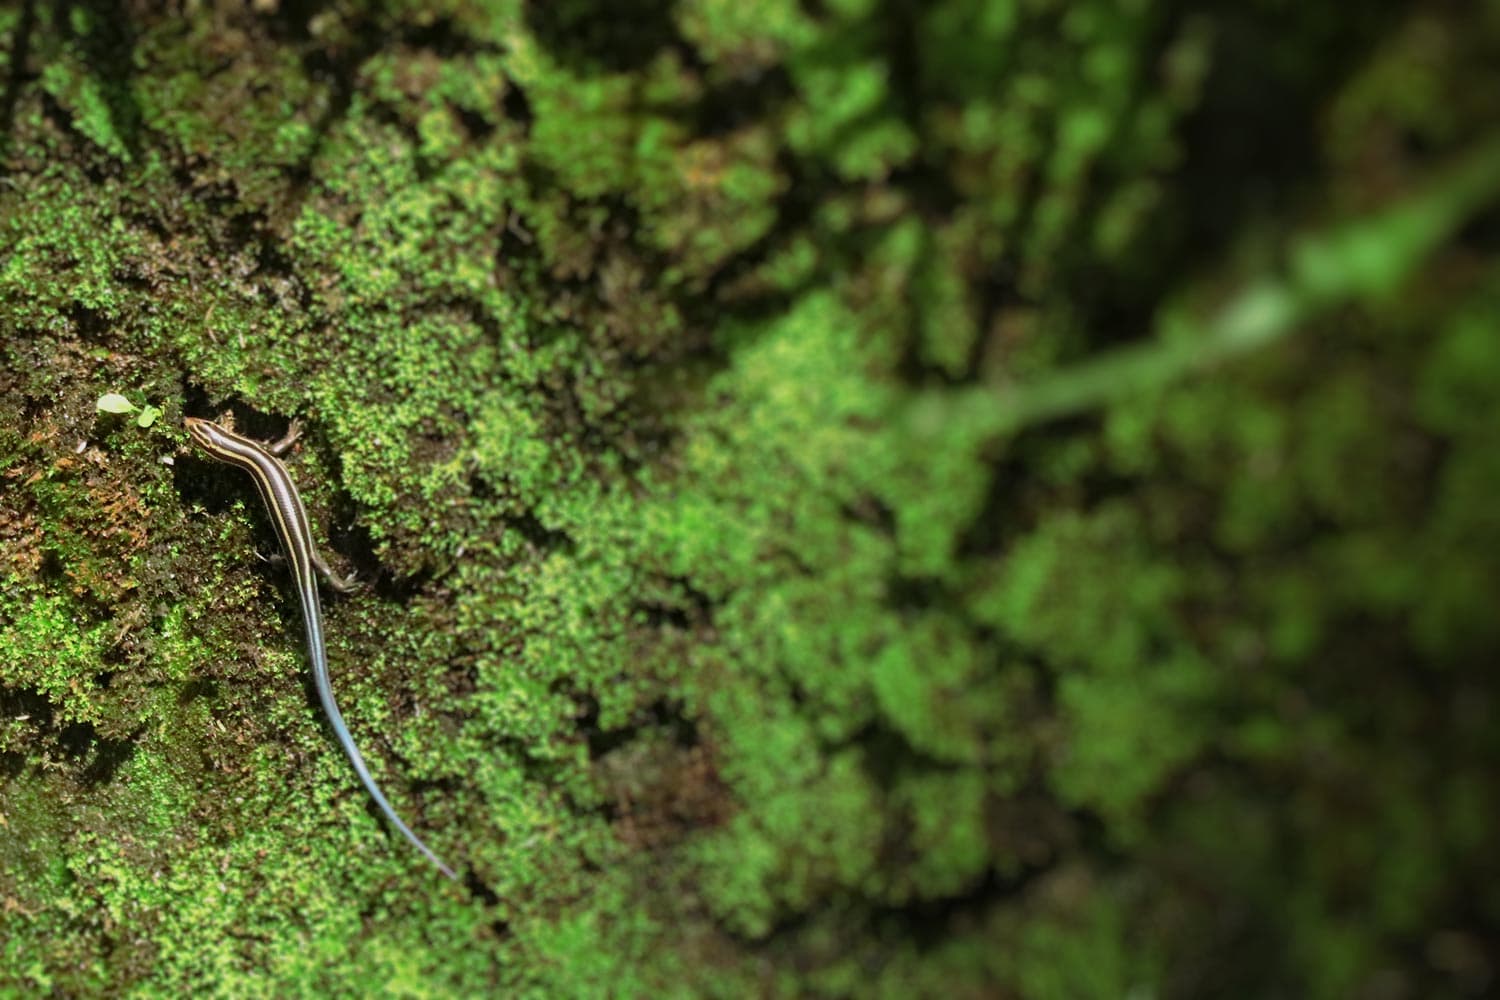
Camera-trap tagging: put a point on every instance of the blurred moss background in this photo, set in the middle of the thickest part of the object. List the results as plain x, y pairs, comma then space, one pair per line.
927, 498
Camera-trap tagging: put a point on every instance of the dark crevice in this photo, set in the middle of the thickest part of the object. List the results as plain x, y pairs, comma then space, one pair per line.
12, 764
109, 756
202, 687
75, 739
20, 53
96, 167
543, 539
482, 892
107, 48
1252, 145
517, 107
731, 105
661, 717
442, 38
52, 567
339, 67
92, 326
675, 602
593, 37
24, 703
389, 587
478, 127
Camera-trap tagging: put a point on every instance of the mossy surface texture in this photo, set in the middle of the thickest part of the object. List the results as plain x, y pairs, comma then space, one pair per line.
911, 499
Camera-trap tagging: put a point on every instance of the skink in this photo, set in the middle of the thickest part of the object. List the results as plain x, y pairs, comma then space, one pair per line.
290, 519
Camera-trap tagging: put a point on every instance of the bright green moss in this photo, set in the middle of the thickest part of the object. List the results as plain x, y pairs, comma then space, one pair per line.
46, 650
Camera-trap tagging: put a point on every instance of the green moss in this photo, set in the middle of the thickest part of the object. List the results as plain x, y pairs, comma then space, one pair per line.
46, 651
859, 499
1082, 951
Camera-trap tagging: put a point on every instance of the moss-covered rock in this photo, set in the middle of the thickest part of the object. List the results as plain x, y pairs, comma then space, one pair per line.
966, 498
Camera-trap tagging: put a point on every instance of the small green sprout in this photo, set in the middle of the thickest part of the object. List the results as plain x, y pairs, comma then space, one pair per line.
113, 402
